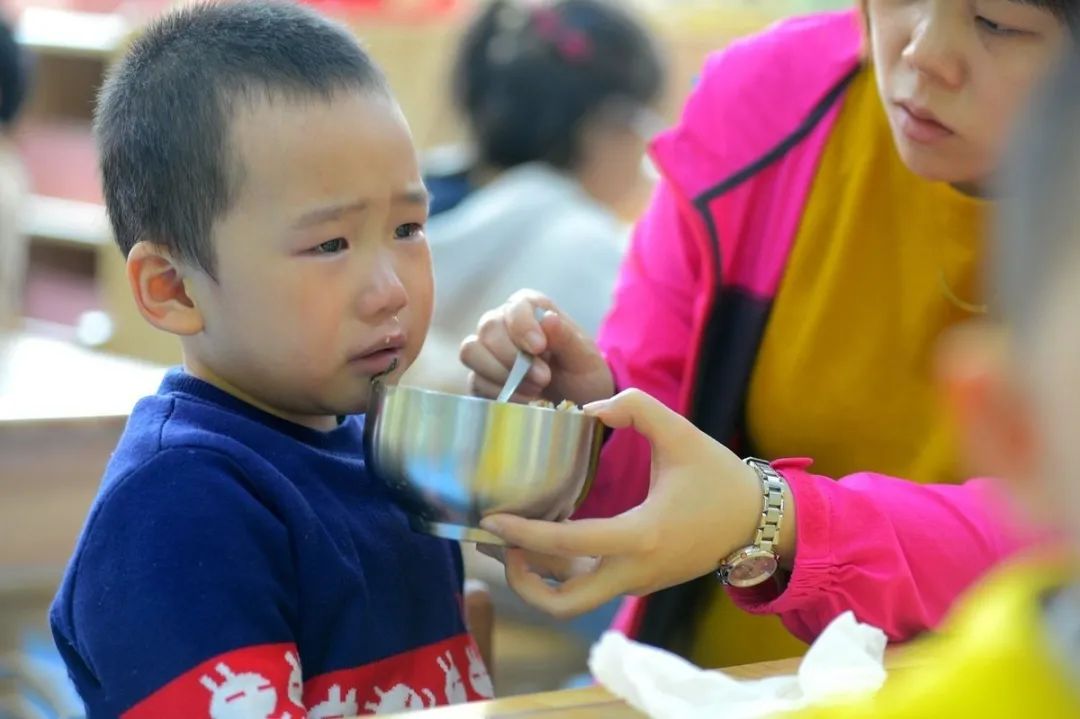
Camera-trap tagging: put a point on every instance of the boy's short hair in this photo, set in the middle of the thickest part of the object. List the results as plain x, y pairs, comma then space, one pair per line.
163, 115
1038, 234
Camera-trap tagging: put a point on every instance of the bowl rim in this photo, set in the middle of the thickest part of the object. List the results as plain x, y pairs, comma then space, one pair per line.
382, 387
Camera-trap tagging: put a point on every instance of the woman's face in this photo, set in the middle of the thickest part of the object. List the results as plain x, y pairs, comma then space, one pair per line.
955, 74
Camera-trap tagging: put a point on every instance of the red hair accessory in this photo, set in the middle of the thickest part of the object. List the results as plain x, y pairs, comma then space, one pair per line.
572, 44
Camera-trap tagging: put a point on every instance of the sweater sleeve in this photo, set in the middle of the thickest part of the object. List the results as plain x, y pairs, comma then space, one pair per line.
895, 553
181, 599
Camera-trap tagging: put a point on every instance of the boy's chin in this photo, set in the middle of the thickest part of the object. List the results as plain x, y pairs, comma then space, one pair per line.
359, 398
392, 374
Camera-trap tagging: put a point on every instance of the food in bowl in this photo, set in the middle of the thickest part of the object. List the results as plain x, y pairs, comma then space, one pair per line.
564, 406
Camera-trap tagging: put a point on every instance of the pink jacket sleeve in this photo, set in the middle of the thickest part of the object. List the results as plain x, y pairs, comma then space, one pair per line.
895, 553
645, 339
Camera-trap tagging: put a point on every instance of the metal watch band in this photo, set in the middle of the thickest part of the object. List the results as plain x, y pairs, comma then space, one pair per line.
772, 504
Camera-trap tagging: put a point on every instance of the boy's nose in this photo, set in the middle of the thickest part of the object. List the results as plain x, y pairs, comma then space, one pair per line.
933, 52
385, 295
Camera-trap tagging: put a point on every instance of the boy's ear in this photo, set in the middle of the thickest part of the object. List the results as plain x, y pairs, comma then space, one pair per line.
158, 285
992, 410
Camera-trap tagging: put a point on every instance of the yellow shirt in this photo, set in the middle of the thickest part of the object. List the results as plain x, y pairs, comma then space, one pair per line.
883, 262
995, 660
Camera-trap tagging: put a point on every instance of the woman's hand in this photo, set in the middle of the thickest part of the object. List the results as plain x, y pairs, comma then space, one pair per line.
568, 363
704, 503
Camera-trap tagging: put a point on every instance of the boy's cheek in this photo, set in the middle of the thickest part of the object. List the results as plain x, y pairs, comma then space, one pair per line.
420, 284
415, 274
415, 344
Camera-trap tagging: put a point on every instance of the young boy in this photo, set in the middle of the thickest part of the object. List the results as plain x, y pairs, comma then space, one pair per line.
239, 560
1013, 647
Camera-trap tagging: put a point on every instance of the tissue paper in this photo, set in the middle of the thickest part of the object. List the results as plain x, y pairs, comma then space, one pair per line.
847, 658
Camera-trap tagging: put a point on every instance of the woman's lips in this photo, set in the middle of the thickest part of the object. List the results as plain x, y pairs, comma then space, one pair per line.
920, 125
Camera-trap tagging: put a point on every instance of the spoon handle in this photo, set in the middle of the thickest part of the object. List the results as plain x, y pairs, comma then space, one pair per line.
522, 364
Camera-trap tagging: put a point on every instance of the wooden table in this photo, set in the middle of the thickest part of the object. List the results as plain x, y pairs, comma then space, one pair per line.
597, 703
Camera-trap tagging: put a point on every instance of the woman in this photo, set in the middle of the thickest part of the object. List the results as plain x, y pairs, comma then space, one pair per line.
817, 229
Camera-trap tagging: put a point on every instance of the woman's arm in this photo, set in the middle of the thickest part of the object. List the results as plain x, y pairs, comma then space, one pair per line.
894, 552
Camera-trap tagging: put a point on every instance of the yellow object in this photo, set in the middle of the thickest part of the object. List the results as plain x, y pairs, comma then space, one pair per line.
845, 372
502, 436
995, 659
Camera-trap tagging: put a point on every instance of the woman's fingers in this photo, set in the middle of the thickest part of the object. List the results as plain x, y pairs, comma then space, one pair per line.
623, 534
488, 365
650, 417
587, 589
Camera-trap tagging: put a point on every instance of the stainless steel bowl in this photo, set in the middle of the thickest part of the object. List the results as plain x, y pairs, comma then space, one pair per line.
451, 460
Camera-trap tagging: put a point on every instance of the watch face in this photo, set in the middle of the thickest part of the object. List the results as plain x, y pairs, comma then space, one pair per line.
751, 570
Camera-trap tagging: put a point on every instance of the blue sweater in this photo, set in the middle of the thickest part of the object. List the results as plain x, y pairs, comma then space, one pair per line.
235, 564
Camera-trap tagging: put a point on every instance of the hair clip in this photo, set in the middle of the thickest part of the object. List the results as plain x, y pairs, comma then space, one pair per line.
515, 19
571, 44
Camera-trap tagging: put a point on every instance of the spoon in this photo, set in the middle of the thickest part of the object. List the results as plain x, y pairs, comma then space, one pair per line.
522, 365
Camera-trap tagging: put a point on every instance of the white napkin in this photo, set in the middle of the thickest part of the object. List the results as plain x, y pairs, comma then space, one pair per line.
847, 658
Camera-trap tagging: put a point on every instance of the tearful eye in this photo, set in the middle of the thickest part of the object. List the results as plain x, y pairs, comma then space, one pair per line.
408, 231
331, 247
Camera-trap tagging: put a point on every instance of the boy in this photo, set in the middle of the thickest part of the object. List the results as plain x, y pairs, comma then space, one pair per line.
239, 560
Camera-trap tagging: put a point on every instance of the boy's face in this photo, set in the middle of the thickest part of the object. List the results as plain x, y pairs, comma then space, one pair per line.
954, 74
323, 269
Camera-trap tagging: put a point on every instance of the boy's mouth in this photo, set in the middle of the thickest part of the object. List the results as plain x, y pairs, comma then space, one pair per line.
381, 357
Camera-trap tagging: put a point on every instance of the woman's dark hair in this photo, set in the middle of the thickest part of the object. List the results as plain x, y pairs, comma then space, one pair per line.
1067, 10
526, 76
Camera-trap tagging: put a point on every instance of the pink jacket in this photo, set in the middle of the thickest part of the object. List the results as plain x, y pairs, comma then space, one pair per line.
690, 308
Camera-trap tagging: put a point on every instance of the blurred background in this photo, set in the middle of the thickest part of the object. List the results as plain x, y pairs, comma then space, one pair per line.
75, 356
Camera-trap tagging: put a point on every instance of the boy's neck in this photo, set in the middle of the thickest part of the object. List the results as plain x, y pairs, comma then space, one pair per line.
195, 368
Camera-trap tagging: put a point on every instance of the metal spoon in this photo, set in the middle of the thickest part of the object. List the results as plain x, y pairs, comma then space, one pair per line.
522, 365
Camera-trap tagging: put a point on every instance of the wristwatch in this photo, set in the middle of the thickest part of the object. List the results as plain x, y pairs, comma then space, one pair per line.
752, 565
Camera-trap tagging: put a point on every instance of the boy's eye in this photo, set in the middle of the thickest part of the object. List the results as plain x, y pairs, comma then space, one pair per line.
331, 247
996, 28
408, 231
